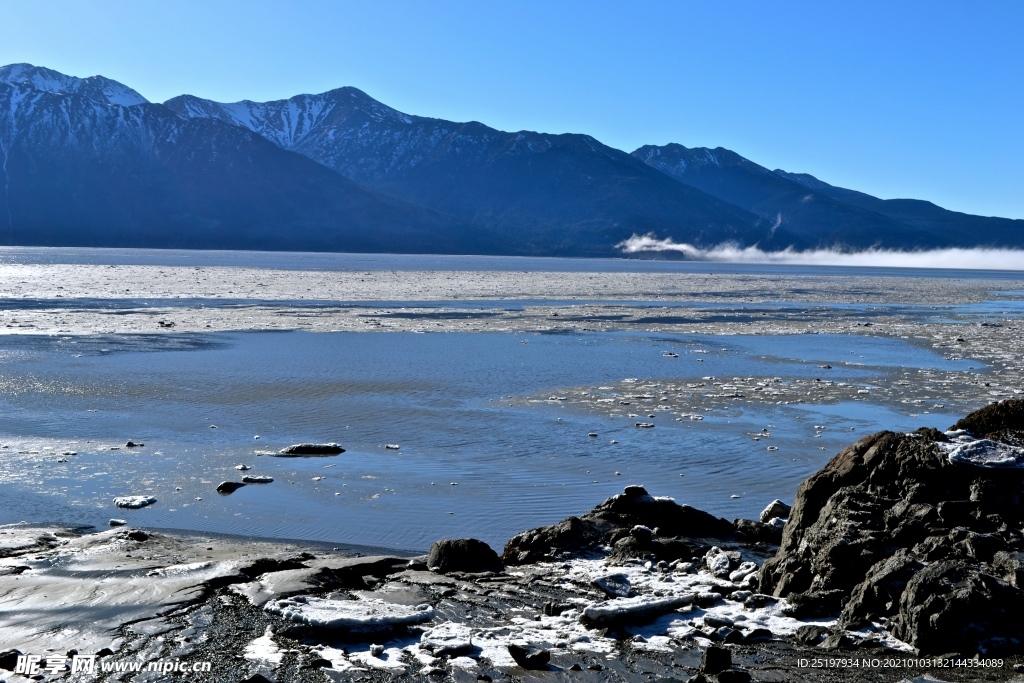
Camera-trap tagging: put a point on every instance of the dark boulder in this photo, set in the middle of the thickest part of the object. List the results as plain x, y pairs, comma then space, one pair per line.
229, 486
300, 449
568, 536
463, 555
529, 659
646, 527
879, 593
954, 606
715, 660
9, 659
749, 530
890, 511
995, 421
811, 634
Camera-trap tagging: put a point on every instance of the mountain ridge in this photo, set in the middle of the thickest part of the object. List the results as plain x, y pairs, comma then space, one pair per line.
92, 161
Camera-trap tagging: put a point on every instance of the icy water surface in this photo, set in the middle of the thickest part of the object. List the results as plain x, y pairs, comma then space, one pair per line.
477, 457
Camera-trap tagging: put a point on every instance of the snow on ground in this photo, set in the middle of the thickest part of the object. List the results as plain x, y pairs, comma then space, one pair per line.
670, 593
964, 448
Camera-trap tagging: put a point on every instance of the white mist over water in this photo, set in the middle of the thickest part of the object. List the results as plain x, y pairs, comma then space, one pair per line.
967, 259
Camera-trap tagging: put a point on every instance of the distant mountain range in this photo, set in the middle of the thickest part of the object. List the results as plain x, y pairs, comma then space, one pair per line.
90, 162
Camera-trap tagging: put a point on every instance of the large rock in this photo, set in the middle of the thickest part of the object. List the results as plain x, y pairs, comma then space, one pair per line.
676, 531
301, 449
871, 532
463, 555
953, 606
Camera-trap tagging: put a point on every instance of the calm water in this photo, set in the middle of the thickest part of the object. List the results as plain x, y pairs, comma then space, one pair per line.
443, 397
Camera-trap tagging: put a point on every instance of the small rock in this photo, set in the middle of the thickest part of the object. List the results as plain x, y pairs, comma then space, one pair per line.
759, 600
132, 444
527, 659
839, 640
226, 487
615, 585
554, 609
134, 502
707, 598
715, 660
729, 635
734, 675
257, 479
811, 634
742, 572
376, 650
776, 508
256, 678
758, 635
311, 449
717, 621
118, 522
718, 562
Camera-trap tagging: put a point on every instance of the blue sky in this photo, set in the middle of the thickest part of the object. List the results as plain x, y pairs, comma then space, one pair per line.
898, 99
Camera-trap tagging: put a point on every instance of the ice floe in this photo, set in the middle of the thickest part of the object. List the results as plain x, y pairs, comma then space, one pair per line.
365, 615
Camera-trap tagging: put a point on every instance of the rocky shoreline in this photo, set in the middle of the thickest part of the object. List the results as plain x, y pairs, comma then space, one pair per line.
902, 558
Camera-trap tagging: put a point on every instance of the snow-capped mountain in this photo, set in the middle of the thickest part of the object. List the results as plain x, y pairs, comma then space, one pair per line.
88, 161
545, 193
818, 213
77, 169
96, 88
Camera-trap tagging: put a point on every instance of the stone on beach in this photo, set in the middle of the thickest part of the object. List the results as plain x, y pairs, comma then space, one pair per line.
636, 610
680, 530
355, 616
616, 585
134, 502
301, 449
463, 555
776, 508
529, 659
449, 639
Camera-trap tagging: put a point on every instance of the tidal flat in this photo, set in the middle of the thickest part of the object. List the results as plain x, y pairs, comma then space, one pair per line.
476, 401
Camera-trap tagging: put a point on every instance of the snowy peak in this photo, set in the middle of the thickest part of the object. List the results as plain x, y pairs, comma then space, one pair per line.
291, 123
96, 88
677, 160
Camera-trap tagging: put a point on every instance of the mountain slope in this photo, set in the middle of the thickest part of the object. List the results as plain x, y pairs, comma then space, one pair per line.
940, 225
82, 171
546, 194
96, 88
816, 217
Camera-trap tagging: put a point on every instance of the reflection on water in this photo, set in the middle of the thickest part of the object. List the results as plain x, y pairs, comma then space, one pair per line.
473, 459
